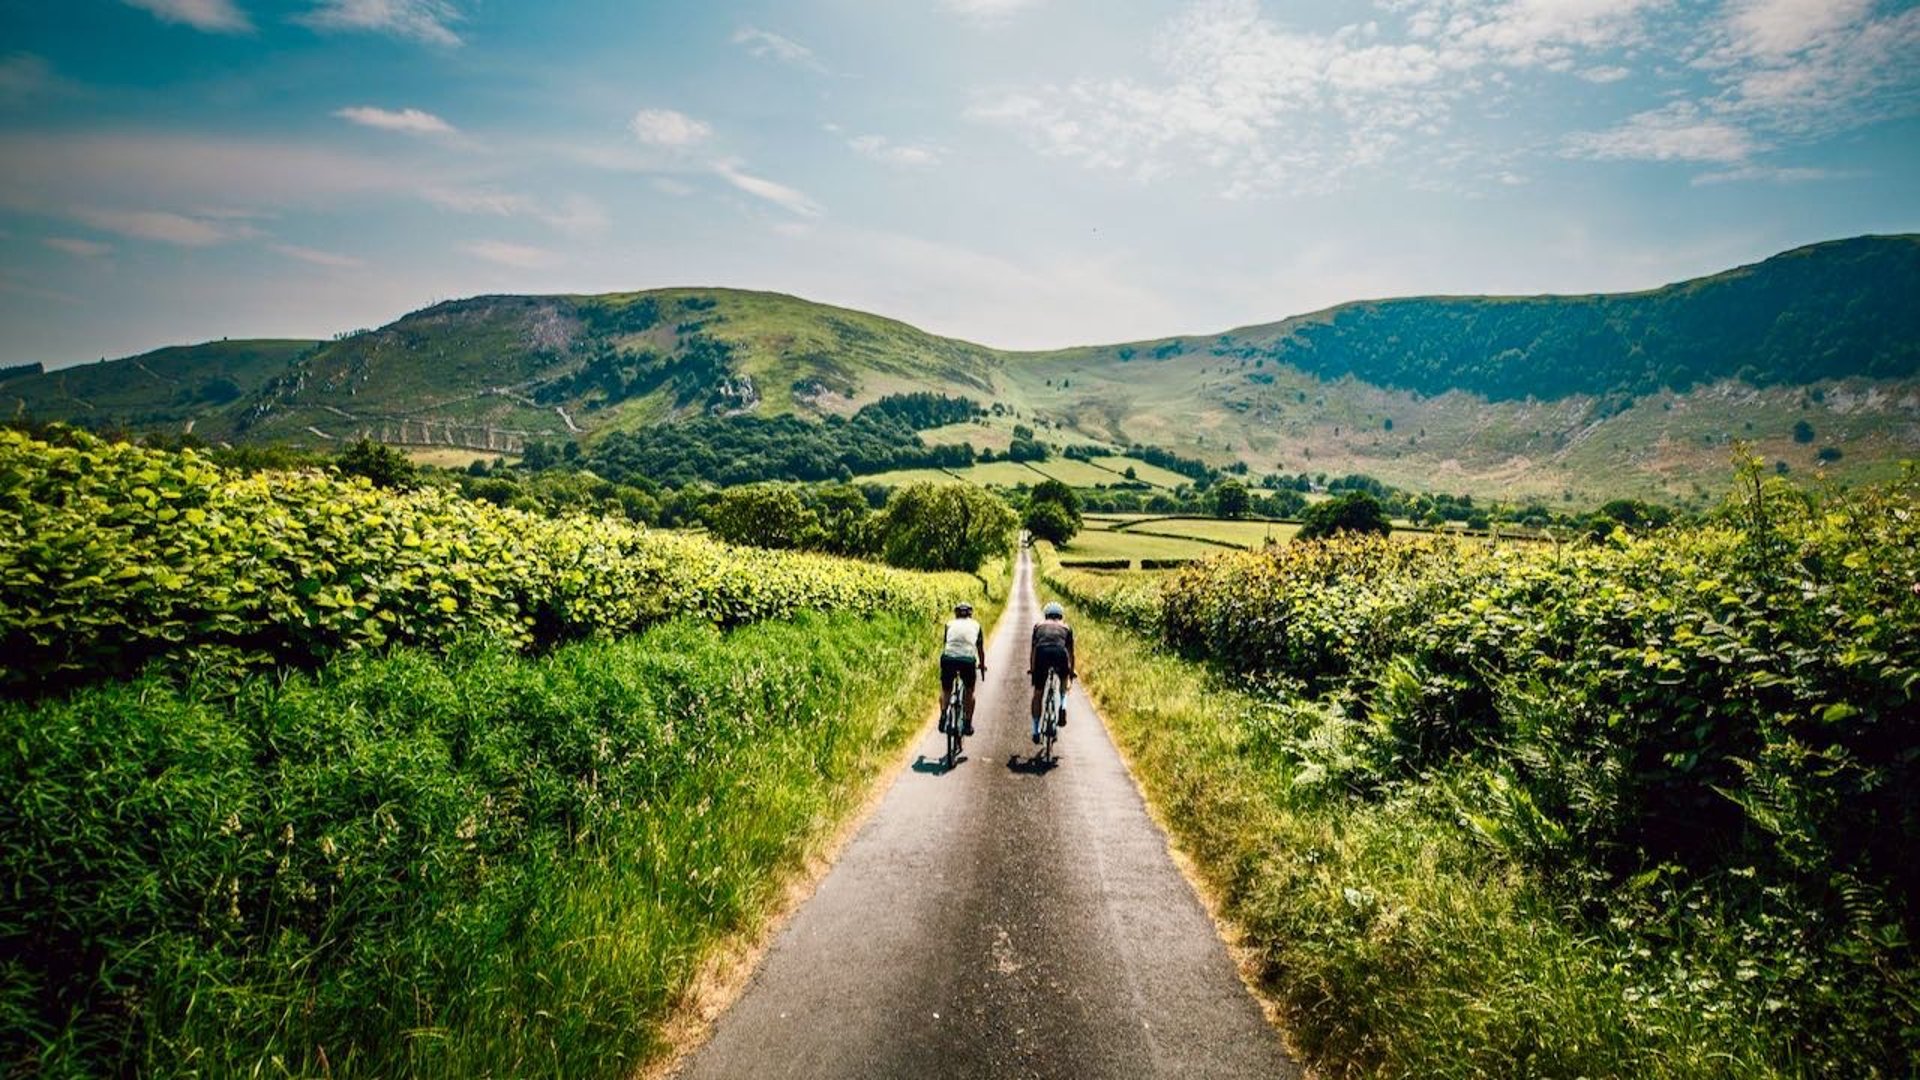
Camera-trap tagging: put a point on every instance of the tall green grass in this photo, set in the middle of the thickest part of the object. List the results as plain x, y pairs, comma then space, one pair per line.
461, 865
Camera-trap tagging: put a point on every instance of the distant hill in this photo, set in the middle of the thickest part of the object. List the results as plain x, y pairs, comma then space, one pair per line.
1573, 395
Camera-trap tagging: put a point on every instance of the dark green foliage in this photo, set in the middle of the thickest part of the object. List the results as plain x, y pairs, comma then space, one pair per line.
764, 515
382, 465
1829, 454
413, 865
746, 449
1356, 512
1822, 312
1230, 499
1191, 468
1802, 432
1051, 522
944, 527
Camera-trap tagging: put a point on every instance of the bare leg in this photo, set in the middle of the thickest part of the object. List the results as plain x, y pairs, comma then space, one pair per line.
969, 708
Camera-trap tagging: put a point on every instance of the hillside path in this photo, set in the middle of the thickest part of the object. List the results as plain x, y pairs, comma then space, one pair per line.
1000, 920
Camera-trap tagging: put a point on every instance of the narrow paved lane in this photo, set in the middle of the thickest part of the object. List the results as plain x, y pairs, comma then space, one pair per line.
1000, 920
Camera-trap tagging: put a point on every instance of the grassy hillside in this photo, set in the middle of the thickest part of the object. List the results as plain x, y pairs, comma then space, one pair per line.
1575, 398
166, 388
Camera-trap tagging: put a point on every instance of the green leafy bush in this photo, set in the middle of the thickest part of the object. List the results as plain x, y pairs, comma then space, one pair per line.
112, 555
1710, 733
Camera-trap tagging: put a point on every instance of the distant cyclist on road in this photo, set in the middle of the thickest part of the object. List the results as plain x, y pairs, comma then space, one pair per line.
1052, 651
963, 656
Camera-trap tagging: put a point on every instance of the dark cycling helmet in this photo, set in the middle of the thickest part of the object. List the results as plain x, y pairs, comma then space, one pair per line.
963, 608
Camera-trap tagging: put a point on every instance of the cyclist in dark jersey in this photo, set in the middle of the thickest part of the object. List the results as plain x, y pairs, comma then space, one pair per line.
1052, 651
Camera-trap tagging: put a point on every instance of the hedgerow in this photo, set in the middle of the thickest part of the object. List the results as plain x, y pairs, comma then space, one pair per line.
1704, 742
112, 556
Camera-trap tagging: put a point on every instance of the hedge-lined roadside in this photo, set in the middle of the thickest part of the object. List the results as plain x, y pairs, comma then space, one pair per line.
112, 555
1644, 807
481, 864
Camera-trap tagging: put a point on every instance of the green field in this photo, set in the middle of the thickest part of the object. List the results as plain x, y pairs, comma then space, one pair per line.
1078, 473
900, 477
1107, 544
1246, 534
1151, 474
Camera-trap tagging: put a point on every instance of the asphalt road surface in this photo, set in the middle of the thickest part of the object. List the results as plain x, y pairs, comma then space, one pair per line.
1000, 920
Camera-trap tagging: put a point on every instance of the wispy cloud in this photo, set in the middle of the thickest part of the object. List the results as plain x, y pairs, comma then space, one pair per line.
163, 226
1776, 174
1676, 132
315, 257
1264, 107
900, 155
24, 76
575, 214
764, 44
518, 256
668, 128
78, 248
427, 21
761, 188
988, 11
213, 16
406, 121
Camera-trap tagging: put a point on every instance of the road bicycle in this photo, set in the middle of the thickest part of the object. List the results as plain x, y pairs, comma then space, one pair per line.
1051, 702
953, 719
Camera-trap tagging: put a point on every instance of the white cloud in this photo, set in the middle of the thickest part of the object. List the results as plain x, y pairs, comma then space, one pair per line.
1606, 73
1778, 28
405, 121
78, 248
668, 128
1769, 173
906, 156
776, 193
162, 226
213, 16
314, 256
574, 214
1677, 132
518, 256
987, 11
428, 21
762, 44
24, 76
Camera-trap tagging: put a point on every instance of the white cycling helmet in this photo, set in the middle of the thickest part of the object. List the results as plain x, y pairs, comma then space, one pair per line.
1054, 611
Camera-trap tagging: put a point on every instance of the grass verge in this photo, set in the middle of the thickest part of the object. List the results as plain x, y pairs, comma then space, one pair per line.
480, 864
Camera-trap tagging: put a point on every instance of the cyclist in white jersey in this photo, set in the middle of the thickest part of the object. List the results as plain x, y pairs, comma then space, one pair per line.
963, 656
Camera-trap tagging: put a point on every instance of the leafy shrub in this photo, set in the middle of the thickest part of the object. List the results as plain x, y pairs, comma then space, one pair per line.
1354, 512
1728, 713
944, 527
112, 555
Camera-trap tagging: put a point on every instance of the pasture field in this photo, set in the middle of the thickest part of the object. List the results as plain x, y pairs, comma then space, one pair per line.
1151, 474
1078, 473
1108, 544
453, 457
1240, 533
903, 477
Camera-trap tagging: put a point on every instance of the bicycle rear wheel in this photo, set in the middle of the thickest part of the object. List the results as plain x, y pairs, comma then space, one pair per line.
956, 716
1050, 717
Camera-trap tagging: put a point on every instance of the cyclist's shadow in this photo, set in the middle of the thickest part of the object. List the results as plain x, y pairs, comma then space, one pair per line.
1033, 765
936, 766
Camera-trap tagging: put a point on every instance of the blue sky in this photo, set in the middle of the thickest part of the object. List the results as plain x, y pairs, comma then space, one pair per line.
1024, 173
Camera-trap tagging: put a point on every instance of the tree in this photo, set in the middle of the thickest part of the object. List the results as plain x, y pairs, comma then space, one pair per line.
929, 526
1802, 432
1230, 499
1354, 512
1050, 521
764, 515
385, 466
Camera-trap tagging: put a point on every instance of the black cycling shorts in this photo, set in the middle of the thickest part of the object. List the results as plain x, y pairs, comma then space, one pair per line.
1046, 660
964, 668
